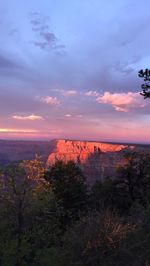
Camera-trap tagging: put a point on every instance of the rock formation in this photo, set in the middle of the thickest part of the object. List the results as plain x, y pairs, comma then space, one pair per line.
97, 160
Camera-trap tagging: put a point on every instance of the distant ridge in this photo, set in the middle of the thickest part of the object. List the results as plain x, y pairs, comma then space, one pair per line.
97, 159
17, 150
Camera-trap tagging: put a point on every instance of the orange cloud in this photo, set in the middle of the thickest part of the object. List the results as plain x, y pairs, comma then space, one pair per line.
28, 117
122, 102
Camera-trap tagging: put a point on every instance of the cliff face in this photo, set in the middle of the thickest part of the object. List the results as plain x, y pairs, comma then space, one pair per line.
97, 160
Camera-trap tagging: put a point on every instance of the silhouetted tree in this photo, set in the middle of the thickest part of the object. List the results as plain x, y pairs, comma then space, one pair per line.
145, 86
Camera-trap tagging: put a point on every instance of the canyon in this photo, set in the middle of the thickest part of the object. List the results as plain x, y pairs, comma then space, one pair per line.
17, 150
97, 160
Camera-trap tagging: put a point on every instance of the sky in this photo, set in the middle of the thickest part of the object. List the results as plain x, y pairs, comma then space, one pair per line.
68, 69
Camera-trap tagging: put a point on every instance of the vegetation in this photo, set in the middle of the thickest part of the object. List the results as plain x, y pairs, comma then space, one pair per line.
48, 217
146, 86
68, 185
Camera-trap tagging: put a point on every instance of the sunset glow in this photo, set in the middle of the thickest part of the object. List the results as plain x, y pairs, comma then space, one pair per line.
74, 77
10, 130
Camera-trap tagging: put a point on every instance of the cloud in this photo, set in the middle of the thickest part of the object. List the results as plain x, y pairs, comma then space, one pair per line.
42, 45
70, 92
125, 67
73, 116
28, 117
66, 92
50, 100
46, 38
92, 93
12, 66
8, 63
68, 115
13, 130
122, 102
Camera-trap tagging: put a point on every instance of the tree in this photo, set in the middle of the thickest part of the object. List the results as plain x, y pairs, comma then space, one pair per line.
29, 224
35, 171
146, 86
108, 195
68, 184
15, 200
134, 177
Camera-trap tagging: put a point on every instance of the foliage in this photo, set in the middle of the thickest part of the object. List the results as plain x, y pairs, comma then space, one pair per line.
48, 217
146, 86
68, 184
34, 170
28, 219
134, 177
98, 240
108, 195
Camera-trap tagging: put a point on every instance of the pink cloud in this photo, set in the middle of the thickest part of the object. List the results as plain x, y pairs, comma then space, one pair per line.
92, 93
73, 116
68, 115
50, 100
122, 102
28, 117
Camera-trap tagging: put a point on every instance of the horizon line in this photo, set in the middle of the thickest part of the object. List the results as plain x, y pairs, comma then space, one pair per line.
84, 140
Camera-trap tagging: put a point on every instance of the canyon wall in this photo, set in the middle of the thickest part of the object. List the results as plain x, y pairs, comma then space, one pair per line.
97, 160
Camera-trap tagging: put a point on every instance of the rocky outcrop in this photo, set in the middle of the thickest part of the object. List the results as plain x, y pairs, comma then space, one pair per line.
97, 160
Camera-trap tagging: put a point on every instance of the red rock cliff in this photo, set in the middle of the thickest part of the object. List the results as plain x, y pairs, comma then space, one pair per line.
96, 159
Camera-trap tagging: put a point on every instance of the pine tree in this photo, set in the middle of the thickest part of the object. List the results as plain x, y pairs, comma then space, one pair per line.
145, 86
